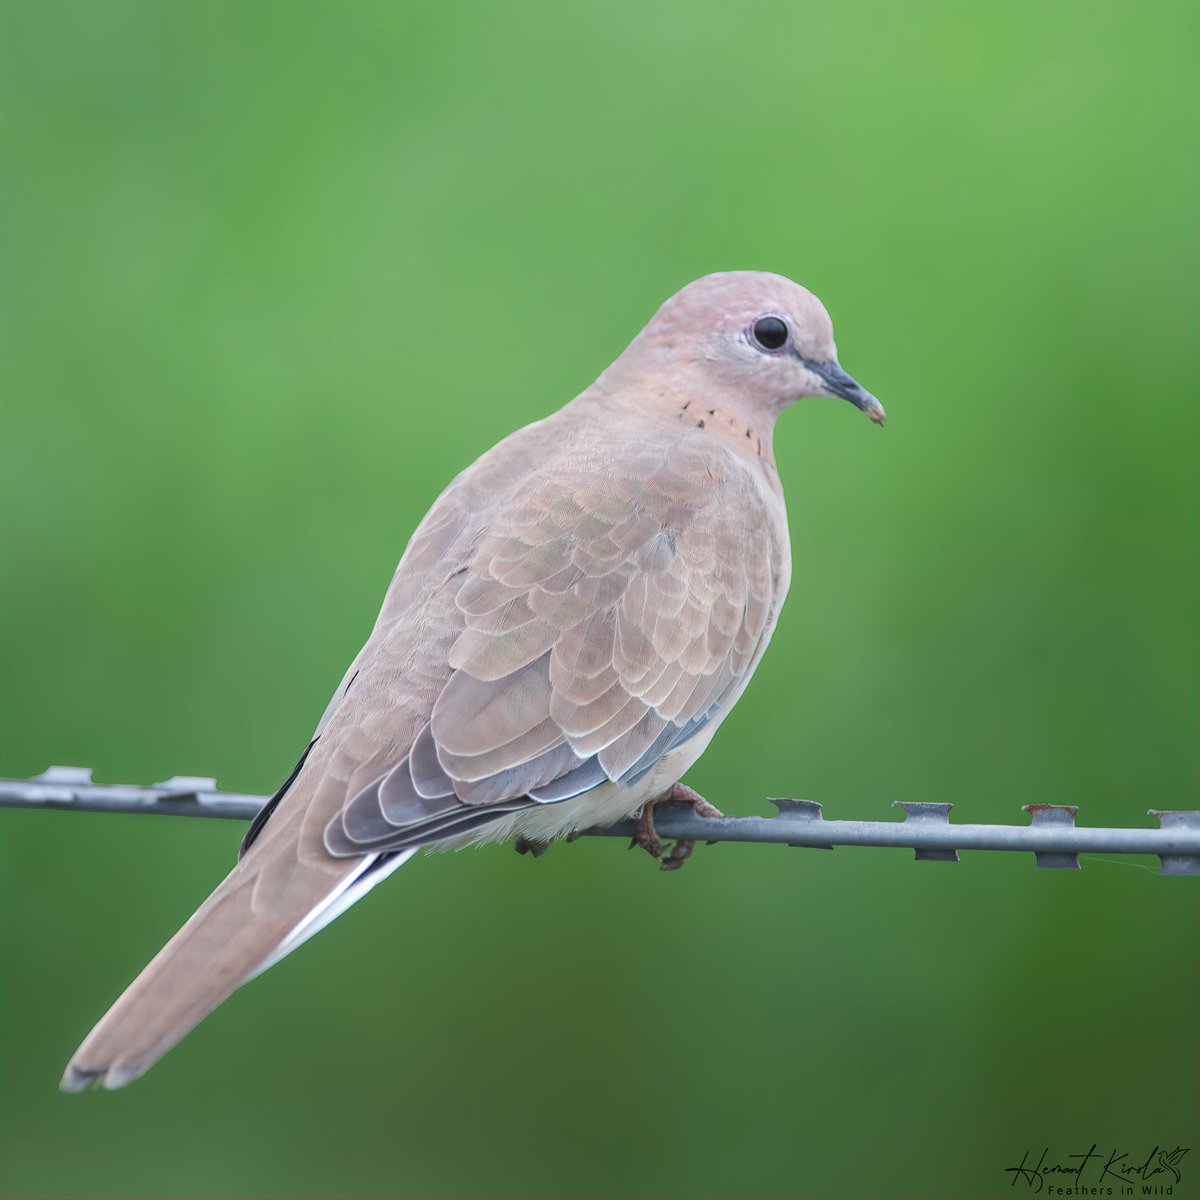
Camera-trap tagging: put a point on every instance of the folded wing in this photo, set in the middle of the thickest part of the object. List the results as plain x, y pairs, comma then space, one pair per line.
609, 616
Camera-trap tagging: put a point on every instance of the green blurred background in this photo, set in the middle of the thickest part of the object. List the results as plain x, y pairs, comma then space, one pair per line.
274, 272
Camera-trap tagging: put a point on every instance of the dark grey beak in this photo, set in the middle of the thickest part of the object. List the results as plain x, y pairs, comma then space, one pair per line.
838, 383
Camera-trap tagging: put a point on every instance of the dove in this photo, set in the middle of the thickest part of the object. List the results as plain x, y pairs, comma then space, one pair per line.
566, 630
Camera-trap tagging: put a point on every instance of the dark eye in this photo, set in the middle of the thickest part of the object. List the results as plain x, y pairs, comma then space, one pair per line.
770, 332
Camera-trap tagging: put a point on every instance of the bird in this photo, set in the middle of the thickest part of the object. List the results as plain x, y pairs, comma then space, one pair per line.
567, 628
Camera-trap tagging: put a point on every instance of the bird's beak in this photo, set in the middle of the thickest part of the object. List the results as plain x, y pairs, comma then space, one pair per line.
838, 383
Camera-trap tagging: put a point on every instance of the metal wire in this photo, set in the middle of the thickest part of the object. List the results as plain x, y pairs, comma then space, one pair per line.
1051, 835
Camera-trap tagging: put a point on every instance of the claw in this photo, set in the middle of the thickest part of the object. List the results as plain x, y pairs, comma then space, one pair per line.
680, 853
645, 834
647, 837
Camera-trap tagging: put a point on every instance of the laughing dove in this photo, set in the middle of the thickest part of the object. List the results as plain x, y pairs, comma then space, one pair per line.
572, 620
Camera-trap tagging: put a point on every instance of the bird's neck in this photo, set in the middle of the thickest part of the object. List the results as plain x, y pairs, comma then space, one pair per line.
695, 396
729, 421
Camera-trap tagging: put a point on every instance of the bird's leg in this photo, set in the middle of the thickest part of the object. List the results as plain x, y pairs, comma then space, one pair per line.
646, 835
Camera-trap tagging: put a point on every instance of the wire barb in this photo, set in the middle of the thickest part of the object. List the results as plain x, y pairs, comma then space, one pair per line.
1051, 835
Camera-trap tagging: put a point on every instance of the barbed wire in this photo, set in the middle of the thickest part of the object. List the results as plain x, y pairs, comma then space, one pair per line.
1051, 835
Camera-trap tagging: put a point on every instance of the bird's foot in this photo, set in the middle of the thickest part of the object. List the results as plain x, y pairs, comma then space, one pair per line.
646, 835
536, 849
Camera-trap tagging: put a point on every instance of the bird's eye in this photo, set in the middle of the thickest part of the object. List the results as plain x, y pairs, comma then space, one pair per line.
770, 332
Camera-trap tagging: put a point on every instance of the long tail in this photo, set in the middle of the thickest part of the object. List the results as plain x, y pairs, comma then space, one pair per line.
267, 905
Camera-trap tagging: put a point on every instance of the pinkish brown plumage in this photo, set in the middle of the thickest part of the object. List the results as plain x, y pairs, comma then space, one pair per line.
568, 626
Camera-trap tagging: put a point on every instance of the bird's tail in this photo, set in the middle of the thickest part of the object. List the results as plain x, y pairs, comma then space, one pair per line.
268, 904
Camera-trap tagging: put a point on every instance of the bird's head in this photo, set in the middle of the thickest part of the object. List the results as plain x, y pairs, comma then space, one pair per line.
748, 337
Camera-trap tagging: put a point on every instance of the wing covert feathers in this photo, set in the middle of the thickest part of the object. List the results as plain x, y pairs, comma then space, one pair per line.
607, 611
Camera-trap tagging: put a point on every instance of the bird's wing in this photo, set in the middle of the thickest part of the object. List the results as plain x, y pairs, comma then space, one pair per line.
604, 616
